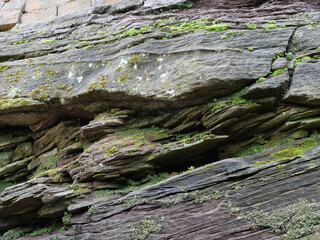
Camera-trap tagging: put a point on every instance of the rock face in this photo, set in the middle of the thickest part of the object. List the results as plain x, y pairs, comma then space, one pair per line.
165, 119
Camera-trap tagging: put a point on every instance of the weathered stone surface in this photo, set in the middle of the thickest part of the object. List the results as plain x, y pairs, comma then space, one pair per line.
163, 94
208, 198
5, 158
117, 157
271, 87
8, 141
14, 167
23, 150
10, 14
279, 63
57, 136
305, 88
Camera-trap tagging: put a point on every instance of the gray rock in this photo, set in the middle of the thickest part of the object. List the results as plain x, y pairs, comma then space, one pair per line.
271, 87
14, 167
305, 88
279, 63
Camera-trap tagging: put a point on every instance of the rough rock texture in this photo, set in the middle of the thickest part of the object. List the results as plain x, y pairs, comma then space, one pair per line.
165, 119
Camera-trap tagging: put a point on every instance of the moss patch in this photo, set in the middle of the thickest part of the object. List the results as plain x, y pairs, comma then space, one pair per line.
12, 103
294, 221
292, 151
279, 71
142, 229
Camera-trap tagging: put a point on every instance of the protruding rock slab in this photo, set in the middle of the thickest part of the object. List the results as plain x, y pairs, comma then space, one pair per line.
305, 87
10, 14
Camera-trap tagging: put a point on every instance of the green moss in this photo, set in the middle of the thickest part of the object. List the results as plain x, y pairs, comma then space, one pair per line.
141, 230
94, 208
223, 37
239, 100
295, 221
13, 103
281, 167
260, 80
133, 32
13, 234
202, 137
295, 150
217, 27
47, 41
47, 164
279, 71
4, 185
222, 105
292, 151
298, 61
272, 22
250, 49
269, 26
251, 26
20, 42
48, 228
111, 151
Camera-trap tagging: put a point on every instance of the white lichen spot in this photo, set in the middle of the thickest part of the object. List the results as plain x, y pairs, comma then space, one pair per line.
70, 75
159, 68
163, 77
91, 65
160, 59
123, 62
135, 67
139, 78
80, 79
171, 92
14, 92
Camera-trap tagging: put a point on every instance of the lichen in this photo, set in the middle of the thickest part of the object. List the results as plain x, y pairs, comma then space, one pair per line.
102, 78
3, 68
141, 230
92, 85
42, 93
50, 72
14, 76
13, 103
295, 221
123, 78
134, 59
